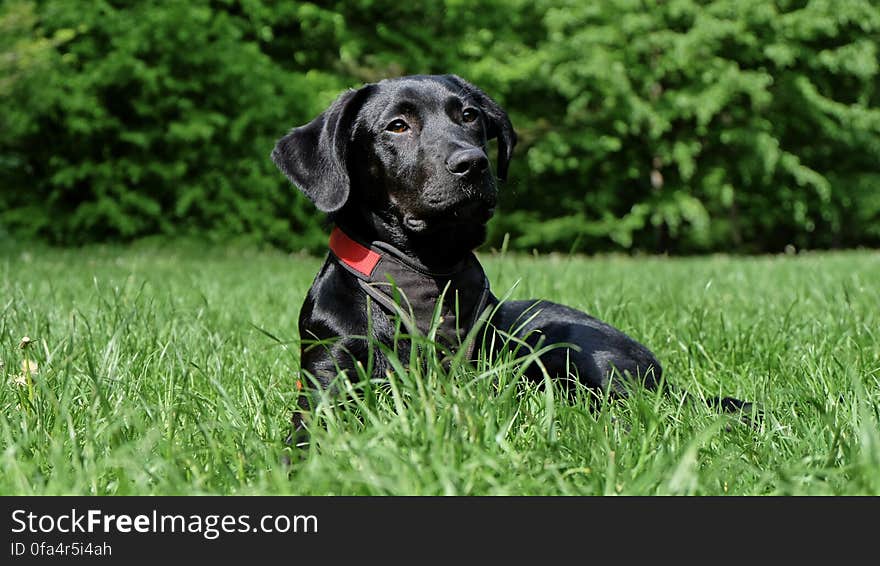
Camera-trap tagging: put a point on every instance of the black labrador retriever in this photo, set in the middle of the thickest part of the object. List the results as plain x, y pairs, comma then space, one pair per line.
401, 169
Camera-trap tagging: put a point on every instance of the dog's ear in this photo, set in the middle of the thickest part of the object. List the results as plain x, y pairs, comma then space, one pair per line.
499, 125
314, 156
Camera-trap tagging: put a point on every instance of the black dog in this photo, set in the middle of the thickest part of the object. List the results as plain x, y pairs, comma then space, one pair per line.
401, 168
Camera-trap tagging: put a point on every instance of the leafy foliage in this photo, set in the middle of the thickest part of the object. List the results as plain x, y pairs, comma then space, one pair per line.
679, 125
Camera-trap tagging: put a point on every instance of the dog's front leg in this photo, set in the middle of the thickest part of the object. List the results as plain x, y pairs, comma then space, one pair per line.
322, 365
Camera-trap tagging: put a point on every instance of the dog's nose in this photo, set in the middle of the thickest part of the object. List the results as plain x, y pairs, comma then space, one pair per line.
467, 161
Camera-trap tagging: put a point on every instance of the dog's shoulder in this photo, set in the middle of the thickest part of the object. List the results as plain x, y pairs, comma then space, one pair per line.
335, 287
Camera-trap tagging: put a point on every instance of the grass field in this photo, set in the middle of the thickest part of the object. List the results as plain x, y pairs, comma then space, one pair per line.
155, 371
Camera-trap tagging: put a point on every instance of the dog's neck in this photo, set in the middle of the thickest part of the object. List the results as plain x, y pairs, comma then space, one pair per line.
434, 252
402, 289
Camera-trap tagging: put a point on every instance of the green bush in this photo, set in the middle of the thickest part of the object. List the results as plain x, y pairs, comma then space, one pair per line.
732, 124
678, 125
155, 119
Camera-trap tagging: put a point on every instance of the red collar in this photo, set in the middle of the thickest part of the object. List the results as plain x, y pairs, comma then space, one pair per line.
360, 258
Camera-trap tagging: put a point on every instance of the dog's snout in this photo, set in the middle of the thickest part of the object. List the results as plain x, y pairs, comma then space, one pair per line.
467, 161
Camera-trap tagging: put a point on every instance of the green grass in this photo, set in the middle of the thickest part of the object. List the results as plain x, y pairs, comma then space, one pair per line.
156, 375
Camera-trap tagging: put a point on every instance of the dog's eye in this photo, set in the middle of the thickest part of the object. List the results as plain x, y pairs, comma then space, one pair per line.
397, 126
469, 115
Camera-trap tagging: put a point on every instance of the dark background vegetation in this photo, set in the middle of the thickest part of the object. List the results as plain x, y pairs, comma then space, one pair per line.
681, 125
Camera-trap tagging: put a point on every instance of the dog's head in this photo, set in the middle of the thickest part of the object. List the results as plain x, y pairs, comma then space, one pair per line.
404, 159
